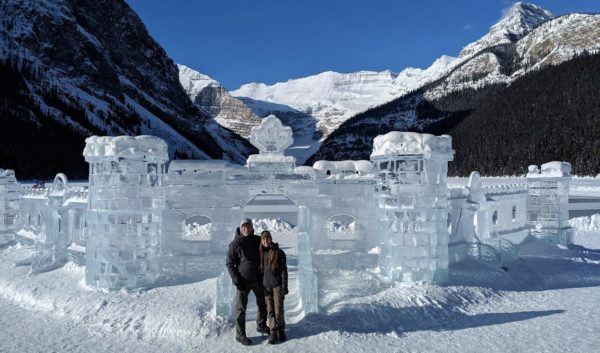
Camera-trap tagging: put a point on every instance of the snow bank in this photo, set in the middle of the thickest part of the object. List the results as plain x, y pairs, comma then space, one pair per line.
396, 142
271, 224
138, 147
586, 223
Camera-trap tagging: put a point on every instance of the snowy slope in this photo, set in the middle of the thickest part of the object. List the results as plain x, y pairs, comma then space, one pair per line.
92, 68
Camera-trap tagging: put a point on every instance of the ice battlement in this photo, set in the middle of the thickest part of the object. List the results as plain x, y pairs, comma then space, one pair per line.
400, 143
145, 147
550, 170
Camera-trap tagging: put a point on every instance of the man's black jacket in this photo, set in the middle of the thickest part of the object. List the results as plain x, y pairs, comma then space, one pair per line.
243, 259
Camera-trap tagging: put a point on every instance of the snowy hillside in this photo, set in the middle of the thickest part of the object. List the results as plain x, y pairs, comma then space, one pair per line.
78, 68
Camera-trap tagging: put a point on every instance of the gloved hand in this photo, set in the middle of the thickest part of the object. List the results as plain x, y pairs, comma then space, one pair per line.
285, 291
240, 286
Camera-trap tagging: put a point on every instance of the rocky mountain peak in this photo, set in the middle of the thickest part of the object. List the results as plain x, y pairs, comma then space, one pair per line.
517, 21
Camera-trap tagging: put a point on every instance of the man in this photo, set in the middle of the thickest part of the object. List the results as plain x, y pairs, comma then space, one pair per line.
243, 261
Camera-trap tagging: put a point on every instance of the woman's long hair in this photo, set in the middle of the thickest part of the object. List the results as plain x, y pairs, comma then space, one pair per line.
272, 254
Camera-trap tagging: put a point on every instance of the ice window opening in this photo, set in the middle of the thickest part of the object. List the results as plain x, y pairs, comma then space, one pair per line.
197, 228
341, 227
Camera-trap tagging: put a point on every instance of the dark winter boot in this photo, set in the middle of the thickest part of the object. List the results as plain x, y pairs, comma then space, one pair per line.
282, 336
273, 337
263, 329
244, 340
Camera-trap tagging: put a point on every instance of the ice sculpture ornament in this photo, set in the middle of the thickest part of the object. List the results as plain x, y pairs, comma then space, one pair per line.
271, 138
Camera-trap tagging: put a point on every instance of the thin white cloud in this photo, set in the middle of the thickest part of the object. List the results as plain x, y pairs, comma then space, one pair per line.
468, 27
506, 10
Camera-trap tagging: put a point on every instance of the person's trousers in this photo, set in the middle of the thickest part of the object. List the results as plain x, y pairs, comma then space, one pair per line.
242, 303
275, 315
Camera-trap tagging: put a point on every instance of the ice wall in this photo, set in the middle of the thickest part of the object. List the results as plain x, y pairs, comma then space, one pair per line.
9, 205
412, 204
548, 202
126, 200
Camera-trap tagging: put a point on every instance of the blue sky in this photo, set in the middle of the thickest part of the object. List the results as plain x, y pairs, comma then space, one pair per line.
242, 41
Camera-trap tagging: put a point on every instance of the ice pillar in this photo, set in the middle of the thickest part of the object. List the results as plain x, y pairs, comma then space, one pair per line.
548, 202
307, 278
126, 198
412, 204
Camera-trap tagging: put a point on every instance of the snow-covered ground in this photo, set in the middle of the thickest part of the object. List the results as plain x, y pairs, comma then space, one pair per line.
546, 302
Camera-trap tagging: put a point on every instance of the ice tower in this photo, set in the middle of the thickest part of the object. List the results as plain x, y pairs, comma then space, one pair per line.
548, 202
126, 199
412, 204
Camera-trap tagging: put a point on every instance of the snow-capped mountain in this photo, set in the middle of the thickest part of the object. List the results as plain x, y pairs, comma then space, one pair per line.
214, 100
80, 67
330, 98
525, 41
518, 21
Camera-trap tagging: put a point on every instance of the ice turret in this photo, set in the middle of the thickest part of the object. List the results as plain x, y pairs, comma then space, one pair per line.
126, 198
412, 213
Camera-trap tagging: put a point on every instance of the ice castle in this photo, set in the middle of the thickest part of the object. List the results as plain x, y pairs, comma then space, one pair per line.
144, 222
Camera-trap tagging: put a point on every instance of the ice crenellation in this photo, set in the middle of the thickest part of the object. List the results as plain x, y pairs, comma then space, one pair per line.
140, 224
396, 142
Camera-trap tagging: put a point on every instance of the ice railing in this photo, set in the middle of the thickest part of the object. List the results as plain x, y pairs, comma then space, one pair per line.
76, 194
34, 193
499, 189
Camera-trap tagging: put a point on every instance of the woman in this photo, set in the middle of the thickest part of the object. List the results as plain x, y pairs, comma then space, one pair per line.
275, 280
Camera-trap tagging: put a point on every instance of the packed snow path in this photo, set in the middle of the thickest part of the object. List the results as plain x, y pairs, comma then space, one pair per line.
544, 303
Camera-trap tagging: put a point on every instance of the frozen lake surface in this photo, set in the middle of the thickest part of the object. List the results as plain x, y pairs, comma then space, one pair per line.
545, 302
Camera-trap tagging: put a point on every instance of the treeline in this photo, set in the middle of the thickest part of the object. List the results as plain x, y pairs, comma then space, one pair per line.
549, 114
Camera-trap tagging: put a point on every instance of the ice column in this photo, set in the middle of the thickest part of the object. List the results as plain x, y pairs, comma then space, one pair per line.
412, 204
307, 278
125, 203
548, 202
9, 205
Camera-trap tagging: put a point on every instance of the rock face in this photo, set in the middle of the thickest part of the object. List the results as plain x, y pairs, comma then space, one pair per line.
90, 67
526, 40
214, 100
